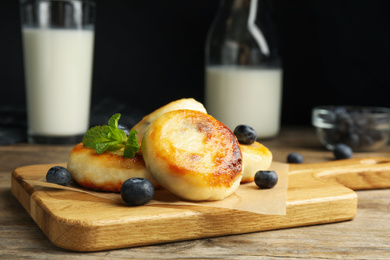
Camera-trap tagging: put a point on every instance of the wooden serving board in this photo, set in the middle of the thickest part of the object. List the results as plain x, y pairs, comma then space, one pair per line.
317, 193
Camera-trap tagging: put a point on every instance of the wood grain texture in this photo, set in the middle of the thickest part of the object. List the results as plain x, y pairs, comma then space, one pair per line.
366, 236
81, 222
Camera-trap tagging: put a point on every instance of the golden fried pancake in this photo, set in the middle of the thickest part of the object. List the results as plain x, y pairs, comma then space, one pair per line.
256, 157
193, 155
185, 103
106, 171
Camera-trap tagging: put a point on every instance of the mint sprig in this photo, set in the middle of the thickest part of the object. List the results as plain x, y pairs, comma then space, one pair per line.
111, 138
131, 146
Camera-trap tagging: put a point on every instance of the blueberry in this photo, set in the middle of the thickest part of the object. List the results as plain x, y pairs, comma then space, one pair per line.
294, 158
342, 151
245, 134
58, 175
266, 179
124, 128
137, 191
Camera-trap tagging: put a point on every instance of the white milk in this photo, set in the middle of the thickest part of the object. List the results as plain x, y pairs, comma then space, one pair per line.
58, 70
242, 95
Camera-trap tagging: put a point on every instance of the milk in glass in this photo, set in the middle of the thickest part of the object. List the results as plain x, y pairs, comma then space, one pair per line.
58, 71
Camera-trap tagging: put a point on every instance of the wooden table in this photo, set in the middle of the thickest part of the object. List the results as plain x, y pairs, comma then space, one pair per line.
367, 236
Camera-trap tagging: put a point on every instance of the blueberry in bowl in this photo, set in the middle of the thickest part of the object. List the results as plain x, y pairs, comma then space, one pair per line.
361, 128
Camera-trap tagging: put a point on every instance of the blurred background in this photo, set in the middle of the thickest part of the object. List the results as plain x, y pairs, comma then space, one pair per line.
150, 53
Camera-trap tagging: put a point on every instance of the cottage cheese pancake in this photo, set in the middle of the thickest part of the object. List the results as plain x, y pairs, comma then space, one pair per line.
193, 155
106, 171
256, 157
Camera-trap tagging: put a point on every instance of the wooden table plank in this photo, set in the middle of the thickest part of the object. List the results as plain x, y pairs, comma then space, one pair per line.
367, 236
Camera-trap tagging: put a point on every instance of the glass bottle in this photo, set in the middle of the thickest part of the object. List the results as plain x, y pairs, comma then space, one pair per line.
243, 67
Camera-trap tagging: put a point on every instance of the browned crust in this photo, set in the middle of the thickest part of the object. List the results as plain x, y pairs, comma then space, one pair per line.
228, 157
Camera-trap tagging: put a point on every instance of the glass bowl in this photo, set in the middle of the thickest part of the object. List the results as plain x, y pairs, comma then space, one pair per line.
361, 128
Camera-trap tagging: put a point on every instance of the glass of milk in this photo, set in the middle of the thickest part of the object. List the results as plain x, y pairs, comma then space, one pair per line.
58, 41
243, 67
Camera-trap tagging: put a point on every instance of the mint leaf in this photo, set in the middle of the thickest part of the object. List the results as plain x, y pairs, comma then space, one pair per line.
101, 147
131, 146
115, 133
108, 146
96, 135
113, 122
111, 138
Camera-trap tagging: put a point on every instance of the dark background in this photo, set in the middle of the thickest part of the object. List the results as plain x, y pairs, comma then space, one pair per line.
148, 53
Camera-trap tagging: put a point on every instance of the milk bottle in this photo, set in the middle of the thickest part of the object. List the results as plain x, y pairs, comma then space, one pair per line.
243, 72
250, 96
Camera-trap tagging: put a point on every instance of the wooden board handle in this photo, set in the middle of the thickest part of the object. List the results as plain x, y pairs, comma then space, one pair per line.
356, 173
